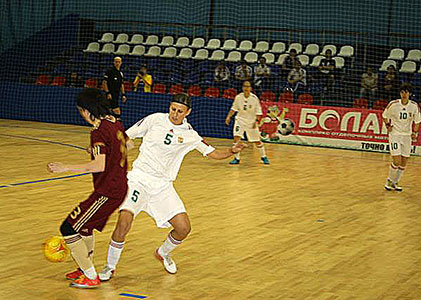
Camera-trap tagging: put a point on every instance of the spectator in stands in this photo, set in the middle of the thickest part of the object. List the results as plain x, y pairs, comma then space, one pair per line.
261, 74
391, 84
297, 78
327, 70
113, 84
243, 73
74, 80
368, 86
288, 63
144, 80
222, 76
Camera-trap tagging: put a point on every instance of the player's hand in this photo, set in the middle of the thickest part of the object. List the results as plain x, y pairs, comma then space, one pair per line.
89, 149
389, 128
227, 121
109, 96
238, 147
124, 99
56, 167
414, 136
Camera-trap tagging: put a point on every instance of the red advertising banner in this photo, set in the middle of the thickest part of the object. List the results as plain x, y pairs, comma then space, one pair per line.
340, 127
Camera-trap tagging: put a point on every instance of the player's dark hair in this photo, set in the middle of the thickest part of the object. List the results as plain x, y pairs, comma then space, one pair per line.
183, 99
406, 87
248, 82
93, 101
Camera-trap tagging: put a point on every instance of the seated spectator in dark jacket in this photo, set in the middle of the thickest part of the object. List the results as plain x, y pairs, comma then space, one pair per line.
222, 76
243, 73
289, 62
74, 80
297, 78
368, 86
261, 74
327, 70
391, 84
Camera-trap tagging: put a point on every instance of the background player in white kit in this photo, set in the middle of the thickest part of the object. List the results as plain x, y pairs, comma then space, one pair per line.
248, 109
398, 117
167, 138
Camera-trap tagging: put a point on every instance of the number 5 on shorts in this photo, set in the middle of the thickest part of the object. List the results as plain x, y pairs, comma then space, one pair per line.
135, 195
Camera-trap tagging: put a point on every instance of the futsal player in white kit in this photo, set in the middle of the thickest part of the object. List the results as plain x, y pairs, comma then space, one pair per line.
167, 138
249, 112
398, 117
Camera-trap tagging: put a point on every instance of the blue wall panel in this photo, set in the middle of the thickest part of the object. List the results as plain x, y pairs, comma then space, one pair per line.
58, 105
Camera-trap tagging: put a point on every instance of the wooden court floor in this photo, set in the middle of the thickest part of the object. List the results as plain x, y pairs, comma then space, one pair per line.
315, 224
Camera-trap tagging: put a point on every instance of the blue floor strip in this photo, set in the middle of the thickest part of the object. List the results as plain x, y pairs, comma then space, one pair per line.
132, 295
41, 180
40, 140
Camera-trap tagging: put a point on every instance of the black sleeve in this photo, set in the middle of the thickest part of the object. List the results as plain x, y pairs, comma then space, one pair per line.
107, 74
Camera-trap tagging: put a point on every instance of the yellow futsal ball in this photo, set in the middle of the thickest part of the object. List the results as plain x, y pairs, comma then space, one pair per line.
55, 249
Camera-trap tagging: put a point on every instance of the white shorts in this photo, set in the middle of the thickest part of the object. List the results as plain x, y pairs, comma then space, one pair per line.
162, 206
400, 145
253, 134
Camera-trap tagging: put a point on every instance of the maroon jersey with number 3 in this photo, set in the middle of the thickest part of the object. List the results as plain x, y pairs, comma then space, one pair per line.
109, 138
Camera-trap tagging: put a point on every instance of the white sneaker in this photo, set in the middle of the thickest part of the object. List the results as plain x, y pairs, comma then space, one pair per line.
167, 261
397, 187
106, 274
389, 185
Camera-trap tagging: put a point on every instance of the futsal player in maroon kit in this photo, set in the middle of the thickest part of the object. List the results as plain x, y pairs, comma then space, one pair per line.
109, 167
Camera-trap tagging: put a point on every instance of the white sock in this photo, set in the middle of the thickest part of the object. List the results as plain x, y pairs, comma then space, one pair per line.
398, 175
114, 252
169, 245
262, 151
392, 171
236, 155
91, 273
90, 245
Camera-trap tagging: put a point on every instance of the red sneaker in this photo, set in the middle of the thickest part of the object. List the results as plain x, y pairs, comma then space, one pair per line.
84, 282
74, 275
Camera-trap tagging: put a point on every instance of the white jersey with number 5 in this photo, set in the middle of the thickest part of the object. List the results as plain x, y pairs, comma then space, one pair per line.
164, 145
247, 109
402, 116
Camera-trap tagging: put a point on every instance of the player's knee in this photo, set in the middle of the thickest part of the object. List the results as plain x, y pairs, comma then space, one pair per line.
184, 230
66, 229
124, 223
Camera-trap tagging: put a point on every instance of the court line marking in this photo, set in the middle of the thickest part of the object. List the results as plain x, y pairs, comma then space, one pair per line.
217, 145
42, 180
41, 140
132, 295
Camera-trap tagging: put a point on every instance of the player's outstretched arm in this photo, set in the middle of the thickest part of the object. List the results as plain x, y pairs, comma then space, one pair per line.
130, 144
94, 166
225, 153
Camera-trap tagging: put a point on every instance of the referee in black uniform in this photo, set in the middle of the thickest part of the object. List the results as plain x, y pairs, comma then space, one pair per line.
113, 83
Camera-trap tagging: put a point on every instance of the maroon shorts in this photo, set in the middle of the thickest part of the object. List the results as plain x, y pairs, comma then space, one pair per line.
93, 213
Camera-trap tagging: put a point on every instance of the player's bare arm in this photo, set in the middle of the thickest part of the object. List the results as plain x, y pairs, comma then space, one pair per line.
225, 153
228, 118
414, 134
106, 89
388, 124
94, 166
130, 144
123, 94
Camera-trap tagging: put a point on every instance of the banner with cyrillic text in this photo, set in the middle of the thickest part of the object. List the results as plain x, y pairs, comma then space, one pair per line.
337, 127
